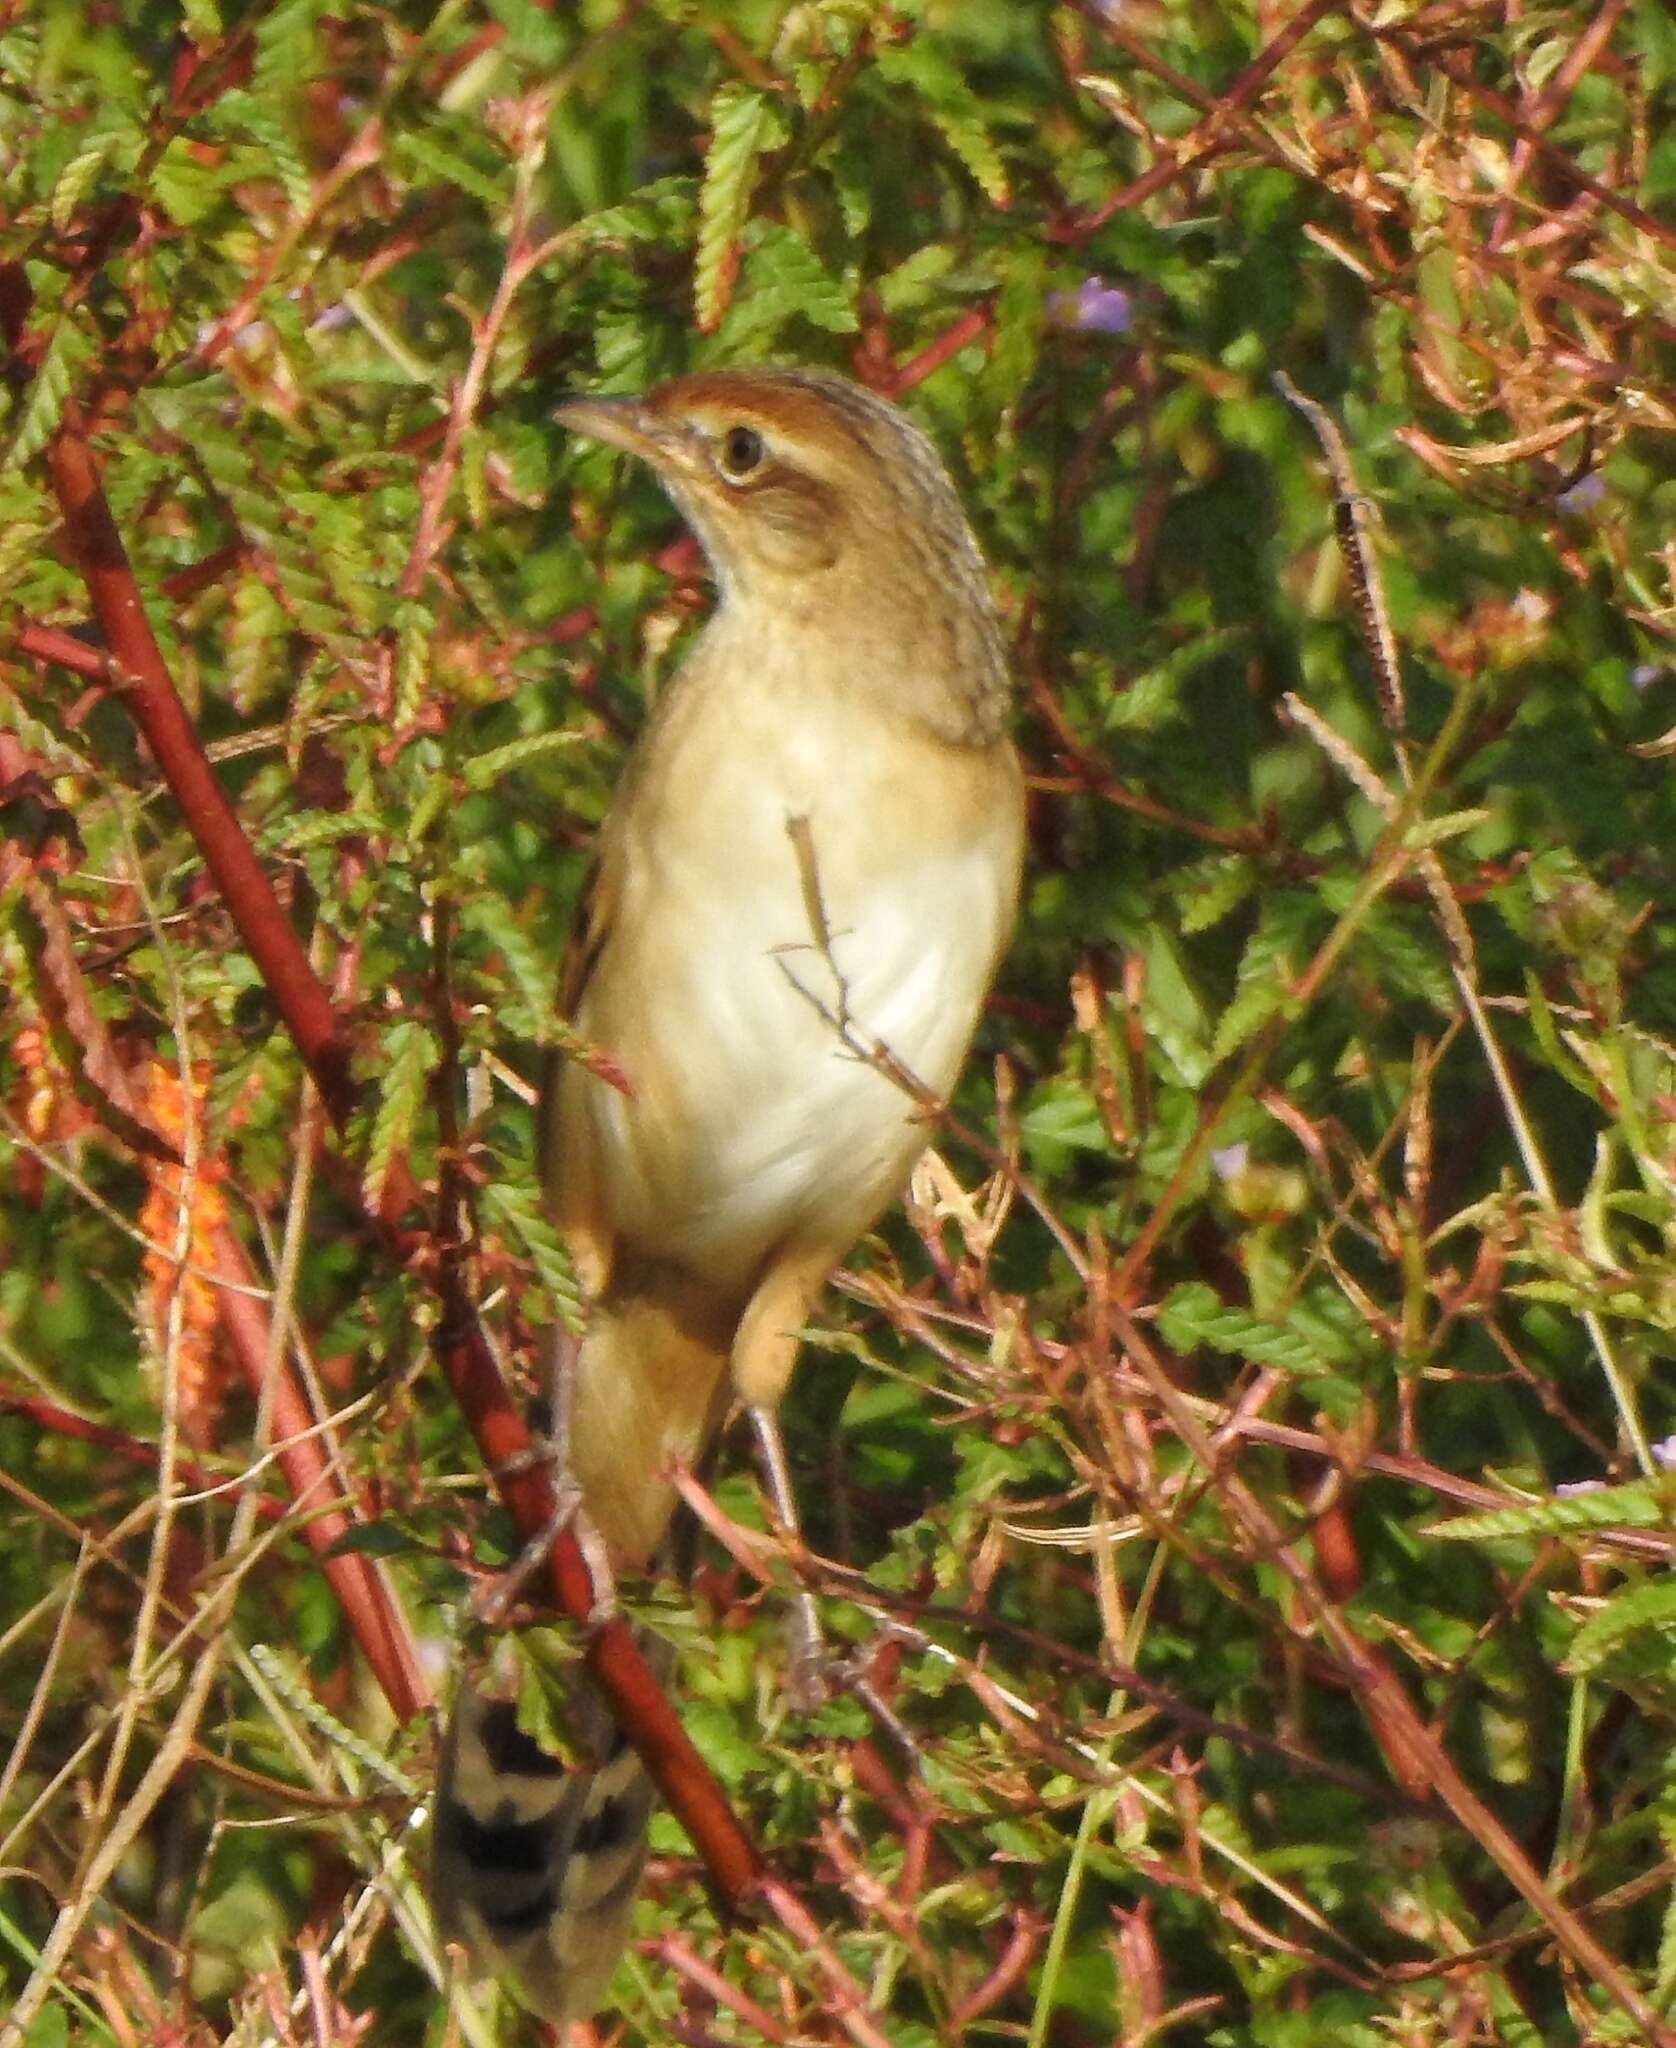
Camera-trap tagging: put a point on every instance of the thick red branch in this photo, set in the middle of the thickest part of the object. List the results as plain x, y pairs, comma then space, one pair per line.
150, 695
140, 674
327, 1515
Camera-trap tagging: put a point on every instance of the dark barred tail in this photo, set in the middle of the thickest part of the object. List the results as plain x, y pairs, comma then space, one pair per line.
534, 1866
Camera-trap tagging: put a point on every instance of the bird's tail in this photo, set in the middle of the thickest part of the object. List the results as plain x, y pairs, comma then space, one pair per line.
535, 1865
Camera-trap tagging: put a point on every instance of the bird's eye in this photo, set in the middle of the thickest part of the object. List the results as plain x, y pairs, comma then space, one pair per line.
742, 452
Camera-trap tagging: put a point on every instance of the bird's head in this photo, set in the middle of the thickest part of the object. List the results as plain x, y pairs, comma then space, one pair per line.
814, 495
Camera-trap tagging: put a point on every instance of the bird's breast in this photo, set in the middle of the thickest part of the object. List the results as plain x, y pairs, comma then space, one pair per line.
808, 894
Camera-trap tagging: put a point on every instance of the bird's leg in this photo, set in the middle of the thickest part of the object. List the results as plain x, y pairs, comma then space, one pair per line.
814, 1672
552, 1451
808, 1677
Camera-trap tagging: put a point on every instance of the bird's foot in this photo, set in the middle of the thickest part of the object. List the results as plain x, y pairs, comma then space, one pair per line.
494, 1601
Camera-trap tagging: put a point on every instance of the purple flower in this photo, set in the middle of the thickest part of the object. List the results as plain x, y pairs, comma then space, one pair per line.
1584, 495
1095, 307
1230, 1159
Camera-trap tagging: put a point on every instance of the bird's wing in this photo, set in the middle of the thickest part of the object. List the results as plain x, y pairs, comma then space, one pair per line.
566, 1143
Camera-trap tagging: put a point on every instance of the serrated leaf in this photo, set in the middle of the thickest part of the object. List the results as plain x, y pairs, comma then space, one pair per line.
954, 108
483, 771
415, 631
1193, 1315
1064, 1112
1648, 1606
853, 189
743, 125
915, 280
184, 187
1263, 986
1251, 1008
534, 972
264, 125
78, 178
783, 279
309, 829
410, 1058
1154, 696
254, 643
1211, 888
518, 1205
1411, 965
1640, 1504
48, 388
1424, 832
426, 148
285, 40
658, 212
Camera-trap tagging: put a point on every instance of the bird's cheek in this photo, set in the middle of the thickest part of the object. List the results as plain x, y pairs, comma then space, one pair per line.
796, 538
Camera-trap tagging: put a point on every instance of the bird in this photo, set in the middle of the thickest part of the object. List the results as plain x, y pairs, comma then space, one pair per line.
804, 886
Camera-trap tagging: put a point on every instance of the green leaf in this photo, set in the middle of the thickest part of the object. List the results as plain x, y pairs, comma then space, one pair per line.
432, 149
65, 354
306, 830
1212, 888
483, 771
264, 123
1193, 1314
783, 279
660, 211
744, 125
410, 1055
286, 42
80, 174
1639, 1504
1153, 698
1424, 832
513, 1200
1651, 1606
1268, 967
953, 107
534, 972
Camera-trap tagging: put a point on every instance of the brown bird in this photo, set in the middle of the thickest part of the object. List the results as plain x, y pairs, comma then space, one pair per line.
804, 887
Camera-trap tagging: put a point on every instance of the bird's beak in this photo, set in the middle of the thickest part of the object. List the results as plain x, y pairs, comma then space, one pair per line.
620, 422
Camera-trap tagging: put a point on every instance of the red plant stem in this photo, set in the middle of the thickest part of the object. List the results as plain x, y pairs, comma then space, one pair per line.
48, 643
1527, 131
196, 576
1014, 1960
524, 1481
845, 2007
1206, 138
52, 1420
680, 1957
303, 1002
328, 1517
150, 695
971, 324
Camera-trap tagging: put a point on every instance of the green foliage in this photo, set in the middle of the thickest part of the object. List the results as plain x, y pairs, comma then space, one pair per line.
1324, 1294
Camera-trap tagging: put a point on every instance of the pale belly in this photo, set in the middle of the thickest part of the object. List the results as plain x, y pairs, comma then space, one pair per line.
756, 1116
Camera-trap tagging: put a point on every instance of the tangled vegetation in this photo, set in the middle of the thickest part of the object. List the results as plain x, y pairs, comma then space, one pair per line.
1242, 1467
